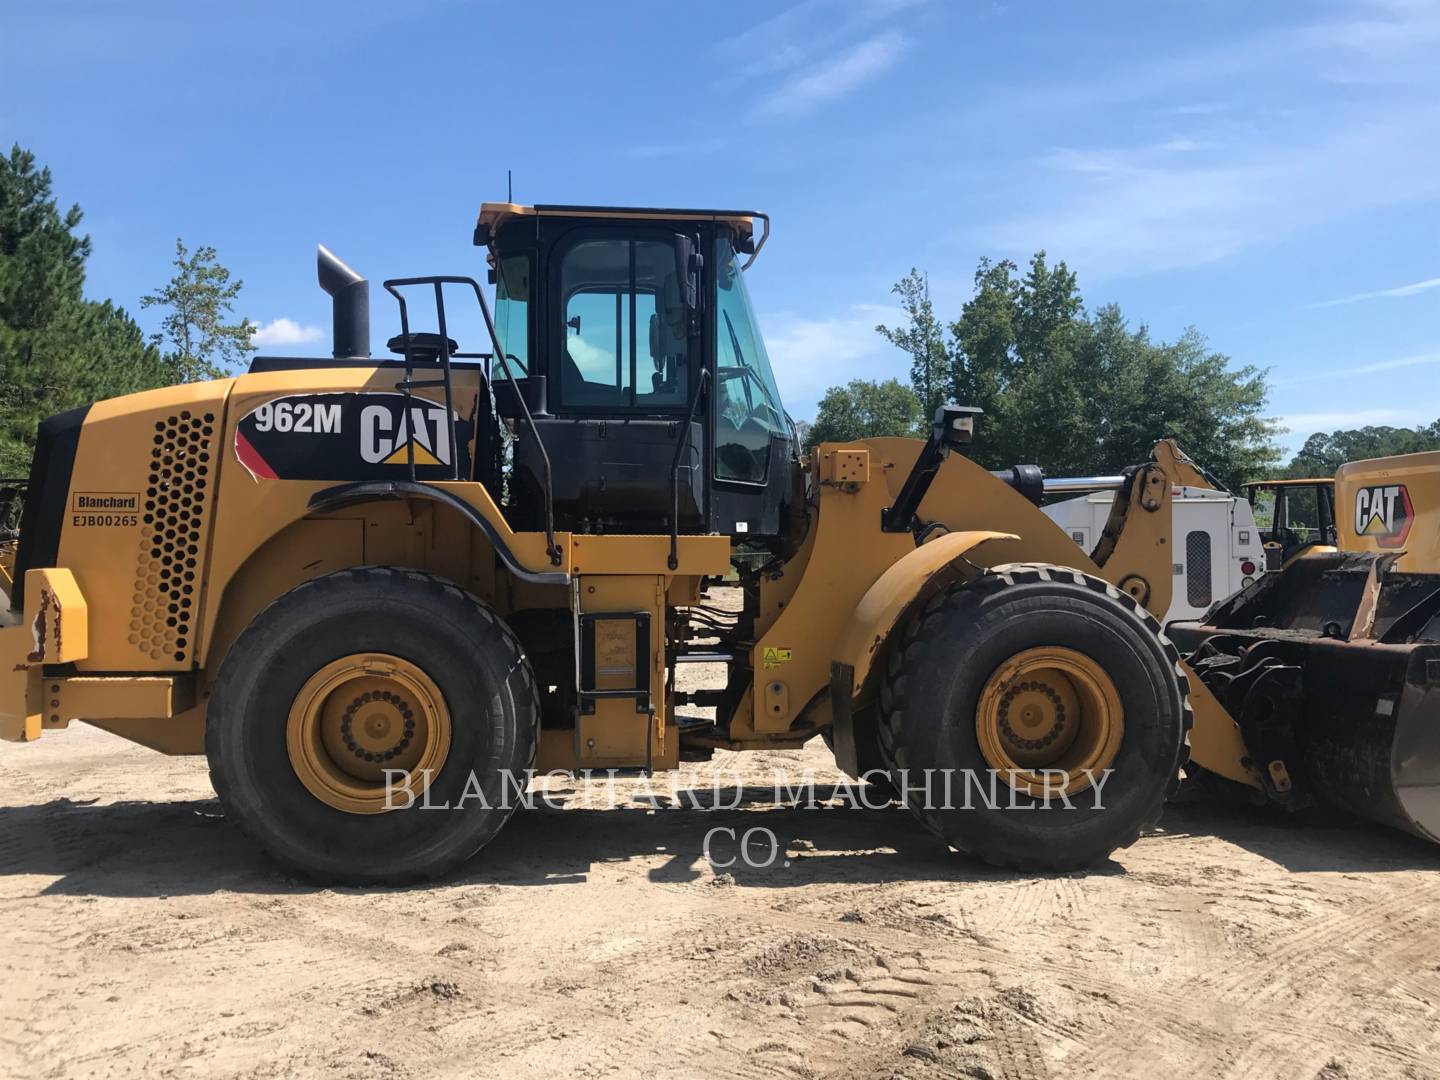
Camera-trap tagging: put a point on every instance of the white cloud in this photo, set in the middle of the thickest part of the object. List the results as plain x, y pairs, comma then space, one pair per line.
1383, 294
1131, 211
686, 148
811, 354
1228, 182
1180, 145
1416, 360
1305, 424
832, 77
805, 30
284, 331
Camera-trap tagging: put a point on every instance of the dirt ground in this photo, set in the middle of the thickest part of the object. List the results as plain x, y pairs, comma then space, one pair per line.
143, 937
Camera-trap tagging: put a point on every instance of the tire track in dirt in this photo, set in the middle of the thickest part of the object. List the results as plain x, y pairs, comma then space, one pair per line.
1246, 994
569, 950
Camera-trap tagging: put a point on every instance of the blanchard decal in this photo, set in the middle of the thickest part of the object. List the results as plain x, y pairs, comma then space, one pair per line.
102, 509
1384, 514
352, 436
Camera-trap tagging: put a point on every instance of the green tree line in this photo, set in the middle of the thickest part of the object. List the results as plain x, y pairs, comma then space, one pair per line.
1079, 392
60, 350
1324, 452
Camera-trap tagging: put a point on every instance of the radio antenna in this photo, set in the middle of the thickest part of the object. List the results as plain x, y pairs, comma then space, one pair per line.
509, 186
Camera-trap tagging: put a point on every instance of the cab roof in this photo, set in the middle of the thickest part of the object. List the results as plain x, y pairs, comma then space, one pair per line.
494, 214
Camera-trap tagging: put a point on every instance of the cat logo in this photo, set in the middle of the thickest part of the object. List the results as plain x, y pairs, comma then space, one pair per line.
1384, 514
369, 435
386, 429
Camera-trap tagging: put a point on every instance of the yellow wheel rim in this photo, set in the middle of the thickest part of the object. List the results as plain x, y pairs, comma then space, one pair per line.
1048, 711
362, 719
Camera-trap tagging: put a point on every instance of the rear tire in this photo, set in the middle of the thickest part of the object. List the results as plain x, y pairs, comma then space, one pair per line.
425, 672
959, 668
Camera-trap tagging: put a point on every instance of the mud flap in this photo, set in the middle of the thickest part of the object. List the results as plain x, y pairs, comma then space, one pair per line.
842, 691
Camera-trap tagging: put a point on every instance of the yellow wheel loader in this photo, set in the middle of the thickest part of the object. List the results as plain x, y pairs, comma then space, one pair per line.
377, 591
1331, 667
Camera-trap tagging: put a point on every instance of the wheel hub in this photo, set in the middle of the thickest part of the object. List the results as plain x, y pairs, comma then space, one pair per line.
367, 732
1048, 720
381, 732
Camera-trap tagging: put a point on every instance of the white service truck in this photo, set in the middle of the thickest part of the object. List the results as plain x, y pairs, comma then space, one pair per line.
1217, 546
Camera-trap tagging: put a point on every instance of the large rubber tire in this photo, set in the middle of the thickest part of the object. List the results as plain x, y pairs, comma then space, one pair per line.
948, 652
457, 641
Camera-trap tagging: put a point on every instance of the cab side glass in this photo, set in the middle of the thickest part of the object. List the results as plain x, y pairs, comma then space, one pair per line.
1262, 503
512, 313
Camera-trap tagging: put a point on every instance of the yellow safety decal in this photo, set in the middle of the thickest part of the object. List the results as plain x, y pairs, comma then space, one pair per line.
775, 657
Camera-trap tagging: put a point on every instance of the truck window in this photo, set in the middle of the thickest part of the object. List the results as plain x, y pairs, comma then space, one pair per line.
1198, 569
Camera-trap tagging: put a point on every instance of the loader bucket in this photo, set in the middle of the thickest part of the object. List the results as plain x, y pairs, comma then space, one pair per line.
1331, 669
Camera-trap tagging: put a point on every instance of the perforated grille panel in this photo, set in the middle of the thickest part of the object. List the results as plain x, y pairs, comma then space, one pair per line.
1197, 569
168, 567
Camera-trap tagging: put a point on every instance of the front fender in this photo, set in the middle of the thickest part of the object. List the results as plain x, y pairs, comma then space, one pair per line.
879, 613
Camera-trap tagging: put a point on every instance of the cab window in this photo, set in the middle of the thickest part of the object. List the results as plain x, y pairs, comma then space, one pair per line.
625, 344
1262, 506
748, 410
512, 312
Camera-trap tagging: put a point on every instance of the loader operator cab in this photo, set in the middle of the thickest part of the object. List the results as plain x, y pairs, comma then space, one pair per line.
1292, 516
636, 353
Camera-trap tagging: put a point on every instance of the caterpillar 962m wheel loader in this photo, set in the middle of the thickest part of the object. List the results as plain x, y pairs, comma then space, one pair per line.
363, 586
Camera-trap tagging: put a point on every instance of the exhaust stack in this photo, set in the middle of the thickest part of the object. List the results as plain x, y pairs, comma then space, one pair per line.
350, 298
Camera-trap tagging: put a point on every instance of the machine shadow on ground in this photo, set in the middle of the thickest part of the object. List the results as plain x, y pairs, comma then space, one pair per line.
111, 849
1317, 841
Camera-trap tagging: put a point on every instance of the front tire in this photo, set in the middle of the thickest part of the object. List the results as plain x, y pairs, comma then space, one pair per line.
353, 702
1052, 705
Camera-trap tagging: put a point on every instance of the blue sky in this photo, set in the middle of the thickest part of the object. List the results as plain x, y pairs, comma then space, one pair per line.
1266, 172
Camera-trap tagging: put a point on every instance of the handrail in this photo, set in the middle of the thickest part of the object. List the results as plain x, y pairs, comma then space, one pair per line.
763, 237
408, 384
682, 444
552, 549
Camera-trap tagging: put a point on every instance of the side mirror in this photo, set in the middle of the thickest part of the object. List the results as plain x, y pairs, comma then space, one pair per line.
688, 265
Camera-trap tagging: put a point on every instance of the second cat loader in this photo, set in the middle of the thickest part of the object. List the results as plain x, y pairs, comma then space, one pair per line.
376, 591
1331, 666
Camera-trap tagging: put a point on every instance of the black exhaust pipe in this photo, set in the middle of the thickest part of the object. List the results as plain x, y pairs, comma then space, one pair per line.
350, 299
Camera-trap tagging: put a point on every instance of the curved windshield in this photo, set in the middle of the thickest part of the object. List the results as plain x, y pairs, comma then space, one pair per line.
748, 410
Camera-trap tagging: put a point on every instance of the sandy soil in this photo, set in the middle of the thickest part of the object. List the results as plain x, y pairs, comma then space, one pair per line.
142, 937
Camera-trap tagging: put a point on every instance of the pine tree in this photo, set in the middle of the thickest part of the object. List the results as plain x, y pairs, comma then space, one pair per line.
57, 349
198, 298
